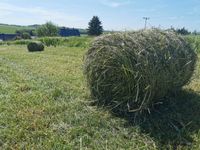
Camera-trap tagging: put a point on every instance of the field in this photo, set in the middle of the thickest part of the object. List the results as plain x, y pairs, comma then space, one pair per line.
44, 104
11, 29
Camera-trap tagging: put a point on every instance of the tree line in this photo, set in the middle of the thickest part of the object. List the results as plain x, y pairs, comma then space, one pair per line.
95, 28
49, 29
184, 31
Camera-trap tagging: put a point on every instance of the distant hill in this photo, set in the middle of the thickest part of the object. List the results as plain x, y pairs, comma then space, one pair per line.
34, 26
11, 29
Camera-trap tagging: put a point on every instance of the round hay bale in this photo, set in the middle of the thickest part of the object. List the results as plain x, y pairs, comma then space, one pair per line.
35, 46
135, 70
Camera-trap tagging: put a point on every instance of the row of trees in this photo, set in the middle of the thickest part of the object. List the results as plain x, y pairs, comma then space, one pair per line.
182, 31
95, 28
50, 29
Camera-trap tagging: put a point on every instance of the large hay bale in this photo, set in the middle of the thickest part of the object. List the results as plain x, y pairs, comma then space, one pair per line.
35, 46
135, 70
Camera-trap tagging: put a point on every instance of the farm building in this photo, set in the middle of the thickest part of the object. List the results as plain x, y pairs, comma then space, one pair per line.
6, 37
68, 32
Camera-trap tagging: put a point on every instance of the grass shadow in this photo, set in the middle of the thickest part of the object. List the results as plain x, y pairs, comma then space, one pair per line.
172, 123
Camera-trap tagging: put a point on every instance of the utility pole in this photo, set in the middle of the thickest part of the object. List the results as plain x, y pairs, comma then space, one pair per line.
145, 23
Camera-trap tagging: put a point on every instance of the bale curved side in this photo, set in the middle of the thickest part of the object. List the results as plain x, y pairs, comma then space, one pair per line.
35, 46
137, 69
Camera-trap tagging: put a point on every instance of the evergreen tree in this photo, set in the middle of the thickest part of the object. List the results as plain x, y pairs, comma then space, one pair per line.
183, 31
95, 27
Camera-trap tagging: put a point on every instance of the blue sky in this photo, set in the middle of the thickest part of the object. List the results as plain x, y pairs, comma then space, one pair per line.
115, 14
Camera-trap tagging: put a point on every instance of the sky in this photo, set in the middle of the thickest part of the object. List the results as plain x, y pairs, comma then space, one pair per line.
114, 14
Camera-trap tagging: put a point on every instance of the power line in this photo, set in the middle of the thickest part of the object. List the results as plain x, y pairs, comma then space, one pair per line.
145, 21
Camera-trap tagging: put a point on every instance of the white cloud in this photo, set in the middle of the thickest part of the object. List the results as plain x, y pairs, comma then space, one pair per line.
115, 3
9, 13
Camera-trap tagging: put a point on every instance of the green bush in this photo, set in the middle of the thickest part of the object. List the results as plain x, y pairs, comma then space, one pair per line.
49, 29
52, 41
133, 71
35, 46
26, 35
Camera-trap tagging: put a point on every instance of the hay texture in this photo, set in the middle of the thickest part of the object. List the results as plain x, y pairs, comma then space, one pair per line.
136, 70
35, 46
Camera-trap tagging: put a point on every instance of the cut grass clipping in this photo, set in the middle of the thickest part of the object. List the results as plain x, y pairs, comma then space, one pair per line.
133, 71
35, 46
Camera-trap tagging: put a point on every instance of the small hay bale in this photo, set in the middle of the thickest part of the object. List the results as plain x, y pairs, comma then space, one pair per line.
133, 71
35, 46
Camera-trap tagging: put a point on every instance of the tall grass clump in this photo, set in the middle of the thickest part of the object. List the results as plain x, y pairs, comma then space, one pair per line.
195, 41
78, 41
16, 42
2, 43
65, 41
133, 71
52, 41
21, 42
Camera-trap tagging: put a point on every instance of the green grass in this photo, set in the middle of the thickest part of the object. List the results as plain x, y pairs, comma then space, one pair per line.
54, 41
44, 104
195, 40
11, 29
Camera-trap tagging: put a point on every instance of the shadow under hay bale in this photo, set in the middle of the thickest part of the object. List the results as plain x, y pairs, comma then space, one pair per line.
172, 123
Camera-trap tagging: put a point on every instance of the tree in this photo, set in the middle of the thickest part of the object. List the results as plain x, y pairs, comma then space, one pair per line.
195, 32
95, 27
172, 29
25, 33
31, 32
48, 29
183, 31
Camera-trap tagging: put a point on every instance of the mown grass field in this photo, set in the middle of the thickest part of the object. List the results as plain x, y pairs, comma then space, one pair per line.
44, 104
